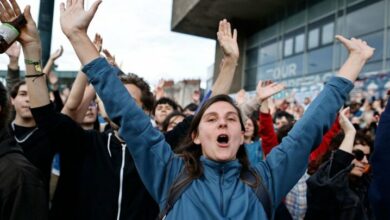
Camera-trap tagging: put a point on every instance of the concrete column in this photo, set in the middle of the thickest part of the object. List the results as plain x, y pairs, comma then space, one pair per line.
45, 24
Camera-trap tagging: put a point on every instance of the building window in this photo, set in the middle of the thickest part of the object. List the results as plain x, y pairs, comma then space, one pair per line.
320, 60
251, 57
372, 67
299, 43
365, 20
314, 38
327, 33
375, 40
250, 79
269, 53
288, 47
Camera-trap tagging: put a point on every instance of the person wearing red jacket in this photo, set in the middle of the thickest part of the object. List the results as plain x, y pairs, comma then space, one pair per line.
270, 138
295, 200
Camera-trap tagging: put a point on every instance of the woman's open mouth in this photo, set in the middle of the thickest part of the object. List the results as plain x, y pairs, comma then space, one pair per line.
223, 140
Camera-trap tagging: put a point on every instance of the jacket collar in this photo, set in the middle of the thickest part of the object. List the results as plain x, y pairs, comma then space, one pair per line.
214, 170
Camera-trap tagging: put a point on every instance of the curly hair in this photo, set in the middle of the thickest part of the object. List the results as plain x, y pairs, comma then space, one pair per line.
147, 97
168, 101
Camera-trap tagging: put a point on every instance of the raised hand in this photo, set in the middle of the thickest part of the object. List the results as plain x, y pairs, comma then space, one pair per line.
349, 131
110, 58
356, 47
266, 89
359, 53
98, 41
74, 18
53, 79
57, 53
159, 91
196, 97
241, 97
9, 11
13, 51
345, 123
228, 40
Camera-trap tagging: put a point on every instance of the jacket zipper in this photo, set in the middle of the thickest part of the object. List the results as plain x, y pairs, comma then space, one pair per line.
221, 190
121, 182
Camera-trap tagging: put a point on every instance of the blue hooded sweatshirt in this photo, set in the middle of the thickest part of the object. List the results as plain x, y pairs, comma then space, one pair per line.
218, 193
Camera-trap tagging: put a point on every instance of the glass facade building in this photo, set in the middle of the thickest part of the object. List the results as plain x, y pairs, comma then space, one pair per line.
300, 50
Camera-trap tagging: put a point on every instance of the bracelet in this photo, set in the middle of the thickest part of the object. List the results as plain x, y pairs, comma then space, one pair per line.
37, 64
27, 61
34, 75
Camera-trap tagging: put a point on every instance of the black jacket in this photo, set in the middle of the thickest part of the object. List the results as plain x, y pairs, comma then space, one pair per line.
36, 147
332, 195
176, 136
23, 193
97, 173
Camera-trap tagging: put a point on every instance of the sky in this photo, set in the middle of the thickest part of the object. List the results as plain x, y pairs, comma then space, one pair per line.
138, 34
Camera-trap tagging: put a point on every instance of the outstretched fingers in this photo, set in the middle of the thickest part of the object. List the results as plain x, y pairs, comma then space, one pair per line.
357, 46
98, 41
80, 3
223, 27
62, 8
8, 8
107, 53
235, 35
343, 40
16, 8
279, 87
4, 16
225, 30
221, 31
220, 26
58, 53
345, 123
94, 7
27, 14
229, 29
344, 112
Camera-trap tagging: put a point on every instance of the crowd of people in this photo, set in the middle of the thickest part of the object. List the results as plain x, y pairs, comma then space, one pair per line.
219, 158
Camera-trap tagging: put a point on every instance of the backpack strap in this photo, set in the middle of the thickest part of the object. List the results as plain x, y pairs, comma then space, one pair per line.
173, 196
261, 191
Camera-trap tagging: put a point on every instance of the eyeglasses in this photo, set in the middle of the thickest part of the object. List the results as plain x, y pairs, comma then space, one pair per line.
359, 154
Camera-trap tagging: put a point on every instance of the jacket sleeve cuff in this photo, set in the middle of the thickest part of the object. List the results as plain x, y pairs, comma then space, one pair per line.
342, 83
13, 73
343, 158
87, 67
91, 68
